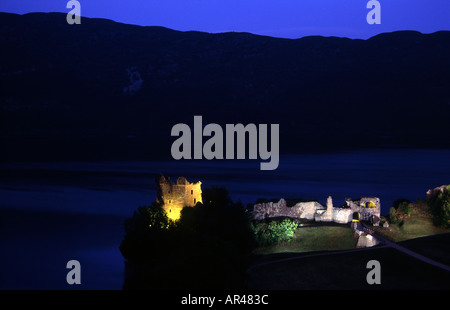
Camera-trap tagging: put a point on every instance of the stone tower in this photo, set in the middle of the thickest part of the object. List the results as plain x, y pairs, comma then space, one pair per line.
325, 215
328, 216
175, 196
329, 204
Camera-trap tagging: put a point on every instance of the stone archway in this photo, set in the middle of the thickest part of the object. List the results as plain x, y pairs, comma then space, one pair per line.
370, 204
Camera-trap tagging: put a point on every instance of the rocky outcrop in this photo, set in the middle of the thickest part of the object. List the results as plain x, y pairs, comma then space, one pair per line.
364, 239
431, 193
375, 220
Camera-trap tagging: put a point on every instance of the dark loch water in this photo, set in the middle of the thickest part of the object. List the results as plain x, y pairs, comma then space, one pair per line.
54, 212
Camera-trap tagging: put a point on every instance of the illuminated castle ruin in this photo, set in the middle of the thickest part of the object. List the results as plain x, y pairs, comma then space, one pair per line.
365, 209
175, 197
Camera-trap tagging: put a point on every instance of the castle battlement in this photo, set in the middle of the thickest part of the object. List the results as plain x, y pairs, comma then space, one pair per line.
175, 196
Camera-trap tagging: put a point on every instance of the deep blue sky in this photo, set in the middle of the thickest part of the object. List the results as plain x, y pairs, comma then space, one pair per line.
279, 18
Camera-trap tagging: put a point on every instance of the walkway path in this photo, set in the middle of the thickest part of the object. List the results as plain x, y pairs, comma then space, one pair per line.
402, 249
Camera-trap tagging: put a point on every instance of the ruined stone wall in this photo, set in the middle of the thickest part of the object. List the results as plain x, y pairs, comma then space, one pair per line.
327, 215
302, 210
342, 215
370, 206
367, 207
308, 209
192, 192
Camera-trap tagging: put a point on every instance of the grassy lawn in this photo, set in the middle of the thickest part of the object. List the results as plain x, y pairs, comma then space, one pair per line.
288, 266
414, 226
317, 238
292, 268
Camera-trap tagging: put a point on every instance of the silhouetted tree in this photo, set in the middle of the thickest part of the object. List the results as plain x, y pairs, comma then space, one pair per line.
206, 248
147, 234
220, 238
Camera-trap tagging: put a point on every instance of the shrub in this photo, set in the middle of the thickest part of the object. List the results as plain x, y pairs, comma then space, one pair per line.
392, 217
406, 208
274, 232
440, 208
399, 202
282, 231
205, 249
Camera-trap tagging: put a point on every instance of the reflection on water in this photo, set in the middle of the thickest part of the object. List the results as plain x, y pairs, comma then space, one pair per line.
79, 207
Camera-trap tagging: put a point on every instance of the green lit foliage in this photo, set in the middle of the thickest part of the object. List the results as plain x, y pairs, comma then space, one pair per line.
440, 208
282, 231
274, 231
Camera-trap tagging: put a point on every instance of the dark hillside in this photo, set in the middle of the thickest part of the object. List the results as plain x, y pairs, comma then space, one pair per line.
108, 90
